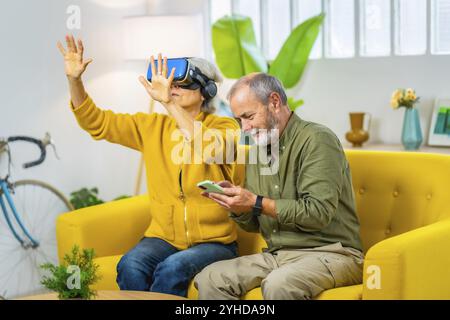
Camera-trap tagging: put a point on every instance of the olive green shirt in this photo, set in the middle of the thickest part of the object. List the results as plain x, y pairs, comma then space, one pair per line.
312, 190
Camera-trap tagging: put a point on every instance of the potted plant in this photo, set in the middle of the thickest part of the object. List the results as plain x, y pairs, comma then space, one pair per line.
411, 131
74, 277
88, 197
237, 53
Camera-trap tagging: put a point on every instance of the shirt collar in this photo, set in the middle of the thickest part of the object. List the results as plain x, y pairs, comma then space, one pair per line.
289, 130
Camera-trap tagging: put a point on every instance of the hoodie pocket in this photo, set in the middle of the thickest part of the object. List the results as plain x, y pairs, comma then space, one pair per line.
162, 220
213, 221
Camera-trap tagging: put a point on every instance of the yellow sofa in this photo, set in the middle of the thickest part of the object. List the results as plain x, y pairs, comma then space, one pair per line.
403, 202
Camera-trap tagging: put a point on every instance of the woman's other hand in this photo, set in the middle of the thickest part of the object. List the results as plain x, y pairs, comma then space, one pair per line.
160, 87
74, 63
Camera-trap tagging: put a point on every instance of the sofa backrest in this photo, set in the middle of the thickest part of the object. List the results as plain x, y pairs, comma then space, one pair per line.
395, 192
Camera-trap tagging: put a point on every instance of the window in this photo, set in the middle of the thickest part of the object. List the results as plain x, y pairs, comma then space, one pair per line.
375, 28
303, 10
381, 27
218, 9
276, 25
340, 28
410, 27
440, 27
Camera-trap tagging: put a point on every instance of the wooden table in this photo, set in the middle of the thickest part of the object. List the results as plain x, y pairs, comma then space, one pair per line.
113, 295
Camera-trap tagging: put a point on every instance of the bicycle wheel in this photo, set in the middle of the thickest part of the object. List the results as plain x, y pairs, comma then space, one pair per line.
38, 204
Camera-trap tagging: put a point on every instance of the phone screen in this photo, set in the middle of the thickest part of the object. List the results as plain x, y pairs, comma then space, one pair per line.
180, 65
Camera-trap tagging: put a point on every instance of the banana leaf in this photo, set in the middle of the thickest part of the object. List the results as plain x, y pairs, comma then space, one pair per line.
294, 104
290, 62
235, 48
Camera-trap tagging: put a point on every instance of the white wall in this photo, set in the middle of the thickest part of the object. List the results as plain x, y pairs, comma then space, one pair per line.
34, 92
332, 88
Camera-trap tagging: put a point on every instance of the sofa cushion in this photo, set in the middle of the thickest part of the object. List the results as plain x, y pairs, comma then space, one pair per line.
107, 271
343, 293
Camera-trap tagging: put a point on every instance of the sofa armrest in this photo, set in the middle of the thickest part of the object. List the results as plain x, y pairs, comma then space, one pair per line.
110, 229
413, 265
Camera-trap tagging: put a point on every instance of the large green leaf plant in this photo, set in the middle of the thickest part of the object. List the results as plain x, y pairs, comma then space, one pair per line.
237, 53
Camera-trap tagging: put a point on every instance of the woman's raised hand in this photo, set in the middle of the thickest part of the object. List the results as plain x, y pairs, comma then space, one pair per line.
159, 88
74, 63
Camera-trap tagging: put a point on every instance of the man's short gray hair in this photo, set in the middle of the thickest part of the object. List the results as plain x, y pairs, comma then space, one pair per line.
262, 85
209, 70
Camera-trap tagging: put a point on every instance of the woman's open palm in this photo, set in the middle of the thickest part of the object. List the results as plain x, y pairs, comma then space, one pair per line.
74, 63
159, 88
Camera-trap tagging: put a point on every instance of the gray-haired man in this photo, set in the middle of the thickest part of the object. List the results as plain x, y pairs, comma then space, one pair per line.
305, 211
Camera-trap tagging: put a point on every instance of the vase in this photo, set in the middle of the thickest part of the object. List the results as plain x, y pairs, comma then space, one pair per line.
357, 135
411, 132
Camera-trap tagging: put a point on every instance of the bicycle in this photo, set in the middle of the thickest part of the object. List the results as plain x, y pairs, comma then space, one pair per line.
28, 240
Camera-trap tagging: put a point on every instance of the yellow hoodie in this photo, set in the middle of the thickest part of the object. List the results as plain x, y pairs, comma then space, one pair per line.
180, 215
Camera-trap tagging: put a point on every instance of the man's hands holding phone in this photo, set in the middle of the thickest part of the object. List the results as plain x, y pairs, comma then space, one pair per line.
234, 198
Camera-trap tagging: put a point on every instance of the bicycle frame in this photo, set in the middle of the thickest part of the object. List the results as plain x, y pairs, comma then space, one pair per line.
4, 186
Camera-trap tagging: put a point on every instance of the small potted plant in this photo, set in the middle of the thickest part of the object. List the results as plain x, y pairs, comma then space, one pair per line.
411, 132
74, 277
88, 197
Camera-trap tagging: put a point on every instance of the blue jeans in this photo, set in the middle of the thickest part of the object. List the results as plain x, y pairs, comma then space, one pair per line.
157, 266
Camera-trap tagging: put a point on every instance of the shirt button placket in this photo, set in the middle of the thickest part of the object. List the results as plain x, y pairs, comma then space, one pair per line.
276, 186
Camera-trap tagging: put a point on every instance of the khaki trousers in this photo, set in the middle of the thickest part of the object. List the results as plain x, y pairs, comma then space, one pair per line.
284, 274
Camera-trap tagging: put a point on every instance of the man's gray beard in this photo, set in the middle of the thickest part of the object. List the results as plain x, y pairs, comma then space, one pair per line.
271, 124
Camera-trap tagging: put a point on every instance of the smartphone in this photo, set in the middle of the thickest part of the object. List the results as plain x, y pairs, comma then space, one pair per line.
209, 186
180, 65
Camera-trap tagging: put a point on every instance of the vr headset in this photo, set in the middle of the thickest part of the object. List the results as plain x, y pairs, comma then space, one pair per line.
188, 76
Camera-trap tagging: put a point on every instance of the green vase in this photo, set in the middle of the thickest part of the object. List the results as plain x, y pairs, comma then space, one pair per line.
411, 133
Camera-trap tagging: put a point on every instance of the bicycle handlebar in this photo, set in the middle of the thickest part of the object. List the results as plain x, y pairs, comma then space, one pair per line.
35, 141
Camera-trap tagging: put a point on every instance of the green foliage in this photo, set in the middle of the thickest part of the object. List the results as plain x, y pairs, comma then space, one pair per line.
234, 43
85, 198
88, 197
291, 61
237, 53
62, 275
294, 104
121, 197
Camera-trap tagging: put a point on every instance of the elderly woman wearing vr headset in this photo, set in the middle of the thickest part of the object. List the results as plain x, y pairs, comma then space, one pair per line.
187, 232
